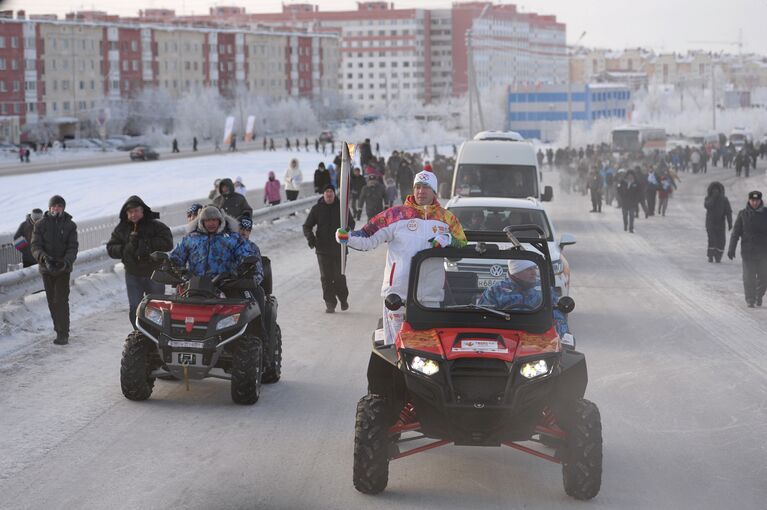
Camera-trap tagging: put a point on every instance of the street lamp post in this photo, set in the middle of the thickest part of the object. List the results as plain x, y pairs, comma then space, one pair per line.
570, 90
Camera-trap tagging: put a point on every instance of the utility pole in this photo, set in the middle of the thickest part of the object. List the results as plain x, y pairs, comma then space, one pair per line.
570, 91
470, 73
713, 95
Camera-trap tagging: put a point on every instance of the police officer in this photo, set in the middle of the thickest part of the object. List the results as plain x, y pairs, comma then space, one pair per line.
751, 228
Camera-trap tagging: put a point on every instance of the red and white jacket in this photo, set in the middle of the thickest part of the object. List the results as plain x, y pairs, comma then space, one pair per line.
408, 228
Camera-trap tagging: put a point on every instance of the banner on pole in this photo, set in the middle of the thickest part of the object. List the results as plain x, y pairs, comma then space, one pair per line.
228, 128
249, 128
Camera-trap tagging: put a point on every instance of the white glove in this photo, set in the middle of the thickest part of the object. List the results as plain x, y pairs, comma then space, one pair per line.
441, 241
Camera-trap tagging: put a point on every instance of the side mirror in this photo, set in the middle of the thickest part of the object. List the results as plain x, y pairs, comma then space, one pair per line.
548, 194
566, 240
159, 256
566, 304
393, 302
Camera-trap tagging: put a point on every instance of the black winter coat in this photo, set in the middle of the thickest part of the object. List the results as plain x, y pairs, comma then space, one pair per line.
629, 194
327, 219
55, 237
152, 235
751, 228
717, 208
366, 153
25, 231
321, 179
232, 203
357, 184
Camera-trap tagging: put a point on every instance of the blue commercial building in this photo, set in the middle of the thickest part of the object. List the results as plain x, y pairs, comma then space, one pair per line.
541, 112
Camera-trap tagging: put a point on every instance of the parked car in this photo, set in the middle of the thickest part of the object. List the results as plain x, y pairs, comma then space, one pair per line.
326, 137
143, 153
486, 214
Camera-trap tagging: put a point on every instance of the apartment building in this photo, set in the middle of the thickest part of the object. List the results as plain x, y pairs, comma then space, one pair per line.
390, 54
67, 71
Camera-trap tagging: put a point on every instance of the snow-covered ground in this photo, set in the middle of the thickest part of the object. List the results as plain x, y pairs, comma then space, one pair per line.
99, 191
675, 365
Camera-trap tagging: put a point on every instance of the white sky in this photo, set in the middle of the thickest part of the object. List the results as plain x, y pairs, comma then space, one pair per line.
662, 25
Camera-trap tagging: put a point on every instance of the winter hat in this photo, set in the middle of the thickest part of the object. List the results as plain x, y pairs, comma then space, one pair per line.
211, 212
755, 195
517, 266
427, 178
133, 204
246, 223
327, 187
36, 214
238, 180
57, 200
193, 209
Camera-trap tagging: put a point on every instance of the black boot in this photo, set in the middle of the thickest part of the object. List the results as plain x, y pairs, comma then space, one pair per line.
330, 307
344, 305
61, 339
759, 301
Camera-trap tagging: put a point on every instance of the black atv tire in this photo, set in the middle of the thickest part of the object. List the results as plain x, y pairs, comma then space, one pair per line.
136, 380
273, 372
247, 370
582, 452
371, 445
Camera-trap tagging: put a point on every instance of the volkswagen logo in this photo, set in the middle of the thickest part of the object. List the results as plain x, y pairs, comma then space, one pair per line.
497, 270
479, 405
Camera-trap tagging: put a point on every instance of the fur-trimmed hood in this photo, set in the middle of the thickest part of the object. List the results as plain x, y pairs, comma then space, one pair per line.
228, 223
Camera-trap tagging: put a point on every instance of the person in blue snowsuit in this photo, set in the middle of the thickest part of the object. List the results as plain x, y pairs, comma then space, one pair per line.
522, 289
212, 244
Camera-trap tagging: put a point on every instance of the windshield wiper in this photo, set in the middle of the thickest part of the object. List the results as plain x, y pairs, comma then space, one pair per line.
472, 306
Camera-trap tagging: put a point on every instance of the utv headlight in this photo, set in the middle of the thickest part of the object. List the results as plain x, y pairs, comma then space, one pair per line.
228, 321
557, 266
152, 314
534, 369
424, 366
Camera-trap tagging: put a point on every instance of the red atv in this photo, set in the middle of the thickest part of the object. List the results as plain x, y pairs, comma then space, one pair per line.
223, 327
469, 372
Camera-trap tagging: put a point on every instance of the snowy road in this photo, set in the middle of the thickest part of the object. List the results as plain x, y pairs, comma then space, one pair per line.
676, 365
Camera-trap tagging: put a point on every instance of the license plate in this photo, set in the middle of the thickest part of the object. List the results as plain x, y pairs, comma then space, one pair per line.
481, 346
484, 283
185, 358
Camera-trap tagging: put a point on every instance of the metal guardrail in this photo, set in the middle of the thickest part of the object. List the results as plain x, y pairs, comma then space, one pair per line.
96, 232
16, 284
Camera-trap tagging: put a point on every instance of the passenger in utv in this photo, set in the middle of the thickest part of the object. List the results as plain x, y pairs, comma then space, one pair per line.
419, 224
212, 245
522, 291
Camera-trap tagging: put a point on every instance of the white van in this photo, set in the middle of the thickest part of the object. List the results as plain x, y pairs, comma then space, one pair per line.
498, 164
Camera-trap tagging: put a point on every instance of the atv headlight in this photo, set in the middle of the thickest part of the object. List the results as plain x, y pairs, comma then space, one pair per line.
534, 369
152, 314
557, 266
228, 321
425, 366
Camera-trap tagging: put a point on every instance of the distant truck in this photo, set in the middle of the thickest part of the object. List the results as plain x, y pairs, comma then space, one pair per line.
740, 136
498, 164
634, 139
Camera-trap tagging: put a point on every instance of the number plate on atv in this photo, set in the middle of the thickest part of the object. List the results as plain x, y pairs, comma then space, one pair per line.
185, 358
468, 345
484, 283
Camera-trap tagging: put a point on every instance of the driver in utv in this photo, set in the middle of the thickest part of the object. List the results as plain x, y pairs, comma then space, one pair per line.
420, 223
212, 245
522, 290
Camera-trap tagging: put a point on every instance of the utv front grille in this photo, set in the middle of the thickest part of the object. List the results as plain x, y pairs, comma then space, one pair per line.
479, 380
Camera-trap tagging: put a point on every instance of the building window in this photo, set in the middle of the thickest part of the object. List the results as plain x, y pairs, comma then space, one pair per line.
14, 42
65, 106
2, 42
2, 86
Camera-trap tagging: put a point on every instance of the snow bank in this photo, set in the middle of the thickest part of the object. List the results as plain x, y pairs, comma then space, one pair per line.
100, 191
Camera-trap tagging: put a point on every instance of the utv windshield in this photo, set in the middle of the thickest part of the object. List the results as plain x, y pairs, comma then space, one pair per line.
503, 288
507, 181
494, 219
